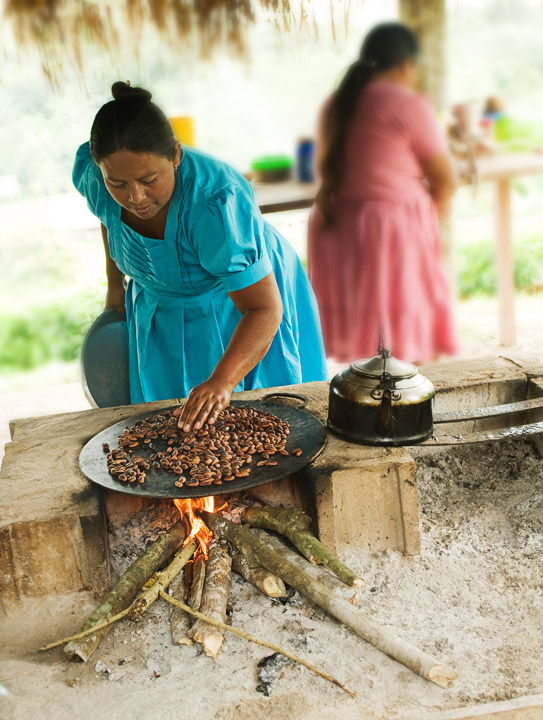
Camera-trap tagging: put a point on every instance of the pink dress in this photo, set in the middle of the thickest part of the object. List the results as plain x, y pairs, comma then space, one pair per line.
380, 263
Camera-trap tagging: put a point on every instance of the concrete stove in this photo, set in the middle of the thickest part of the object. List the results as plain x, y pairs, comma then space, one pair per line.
53, 536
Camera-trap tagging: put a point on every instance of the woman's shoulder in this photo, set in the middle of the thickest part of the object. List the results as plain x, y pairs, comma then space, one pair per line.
391, 92
84, 164
210, 176
88, 180
404, 105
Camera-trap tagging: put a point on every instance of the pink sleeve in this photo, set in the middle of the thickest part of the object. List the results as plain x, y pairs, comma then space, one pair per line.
426, 135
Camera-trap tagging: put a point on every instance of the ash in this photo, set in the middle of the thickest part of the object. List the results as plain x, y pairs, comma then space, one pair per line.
128, 539
236, 507
505, 480
269, 671
472, 598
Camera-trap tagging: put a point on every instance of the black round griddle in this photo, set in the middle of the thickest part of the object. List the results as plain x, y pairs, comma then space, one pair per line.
306, 433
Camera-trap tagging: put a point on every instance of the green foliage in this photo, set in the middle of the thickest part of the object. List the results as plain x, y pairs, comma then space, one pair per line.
476, 269
48, 333
529, 263
476, 263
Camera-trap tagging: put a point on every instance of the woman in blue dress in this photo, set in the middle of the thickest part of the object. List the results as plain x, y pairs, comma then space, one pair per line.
217, 300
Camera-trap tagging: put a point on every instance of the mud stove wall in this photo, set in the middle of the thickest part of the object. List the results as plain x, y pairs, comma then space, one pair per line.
53, 537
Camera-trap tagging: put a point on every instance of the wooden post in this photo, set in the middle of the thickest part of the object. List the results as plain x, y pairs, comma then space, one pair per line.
427, 19
504, 261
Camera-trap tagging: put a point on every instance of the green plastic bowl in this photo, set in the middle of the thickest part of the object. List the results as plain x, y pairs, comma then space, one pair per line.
272, 168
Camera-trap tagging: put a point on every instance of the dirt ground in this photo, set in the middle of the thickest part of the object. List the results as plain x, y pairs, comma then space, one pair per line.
472, 598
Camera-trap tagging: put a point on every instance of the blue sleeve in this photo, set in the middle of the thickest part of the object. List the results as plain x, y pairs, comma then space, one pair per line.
88, 180
229, 239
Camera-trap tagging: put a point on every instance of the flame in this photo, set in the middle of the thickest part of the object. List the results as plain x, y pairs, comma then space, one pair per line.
195, 525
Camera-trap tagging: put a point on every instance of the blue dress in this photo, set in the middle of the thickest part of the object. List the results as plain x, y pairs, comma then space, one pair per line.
179, 315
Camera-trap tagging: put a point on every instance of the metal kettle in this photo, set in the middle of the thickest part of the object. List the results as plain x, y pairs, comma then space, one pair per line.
381, 401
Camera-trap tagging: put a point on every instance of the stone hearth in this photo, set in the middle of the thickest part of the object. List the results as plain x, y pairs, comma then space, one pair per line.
53, 536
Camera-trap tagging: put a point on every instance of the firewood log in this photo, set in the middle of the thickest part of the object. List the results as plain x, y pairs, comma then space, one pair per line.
264, 580
318, 572
179, 620
163, 580
198, 579
260, 553
126, 590
214, 599
294, 524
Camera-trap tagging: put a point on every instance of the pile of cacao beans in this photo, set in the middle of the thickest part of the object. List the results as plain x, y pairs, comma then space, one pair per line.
212, 455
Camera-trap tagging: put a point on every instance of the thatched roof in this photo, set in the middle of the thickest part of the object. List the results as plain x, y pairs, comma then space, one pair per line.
62, 30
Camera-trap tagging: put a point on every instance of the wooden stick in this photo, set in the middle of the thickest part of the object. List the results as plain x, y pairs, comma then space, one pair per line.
198, 579
89, 631
258, 552
124, 592
294, 524
146, 598
317, 572
214, 599
179, 620
265, 581
163, 579
256, 640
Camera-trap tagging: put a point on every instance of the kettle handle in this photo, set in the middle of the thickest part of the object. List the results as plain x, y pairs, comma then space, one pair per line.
303, 399
385, 419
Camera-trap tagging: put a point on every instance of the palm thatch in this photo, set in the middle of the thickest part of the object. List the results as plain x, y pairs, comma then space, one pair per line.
62, 30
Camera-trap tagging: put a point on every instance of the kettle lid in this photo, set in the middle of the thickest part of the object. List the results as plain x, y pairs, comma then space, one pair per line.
384, 362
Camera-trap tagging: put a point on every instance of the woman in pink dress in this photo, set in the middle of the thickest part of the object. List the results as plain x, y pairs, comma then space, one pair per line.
386, 176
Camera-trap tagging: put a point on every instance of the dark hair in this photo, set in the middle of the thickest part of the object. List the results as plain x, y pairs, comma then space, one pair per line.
386, 46
131, 122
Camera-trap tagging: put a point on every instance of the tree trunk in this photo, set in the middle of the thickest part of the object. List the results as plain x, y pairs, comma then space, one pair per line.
428, 20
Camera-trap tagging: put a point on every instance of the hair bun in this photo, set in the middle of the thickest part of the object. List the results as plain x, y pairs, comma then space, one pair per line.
124, 92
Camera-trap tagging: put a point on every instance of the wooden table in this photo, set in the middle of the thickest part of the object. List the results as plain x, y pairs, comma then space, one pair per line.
500, 169
283, 196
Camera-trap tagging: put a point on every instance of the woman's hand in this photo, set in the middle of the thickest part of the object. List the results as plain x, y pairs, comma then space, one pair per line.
204, 403
442, 177
115, 298
261, 313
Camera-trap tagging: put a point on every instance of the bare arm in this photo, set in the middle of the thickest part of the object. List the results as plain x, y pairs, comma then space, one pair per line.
262, 310
441, 175
115, 297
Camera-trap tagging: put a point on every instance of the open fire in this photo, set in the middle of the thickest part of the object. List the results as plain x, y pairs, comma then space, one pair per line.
196, 527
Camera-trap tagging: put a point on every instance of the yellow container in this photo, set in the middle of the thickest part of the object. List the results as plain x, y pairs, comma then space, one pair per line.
183, 127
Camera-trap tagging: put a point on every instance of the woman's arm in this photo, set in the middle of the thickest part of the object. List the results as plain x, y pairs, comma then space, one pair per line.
262, 310
115, 297
442, 178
